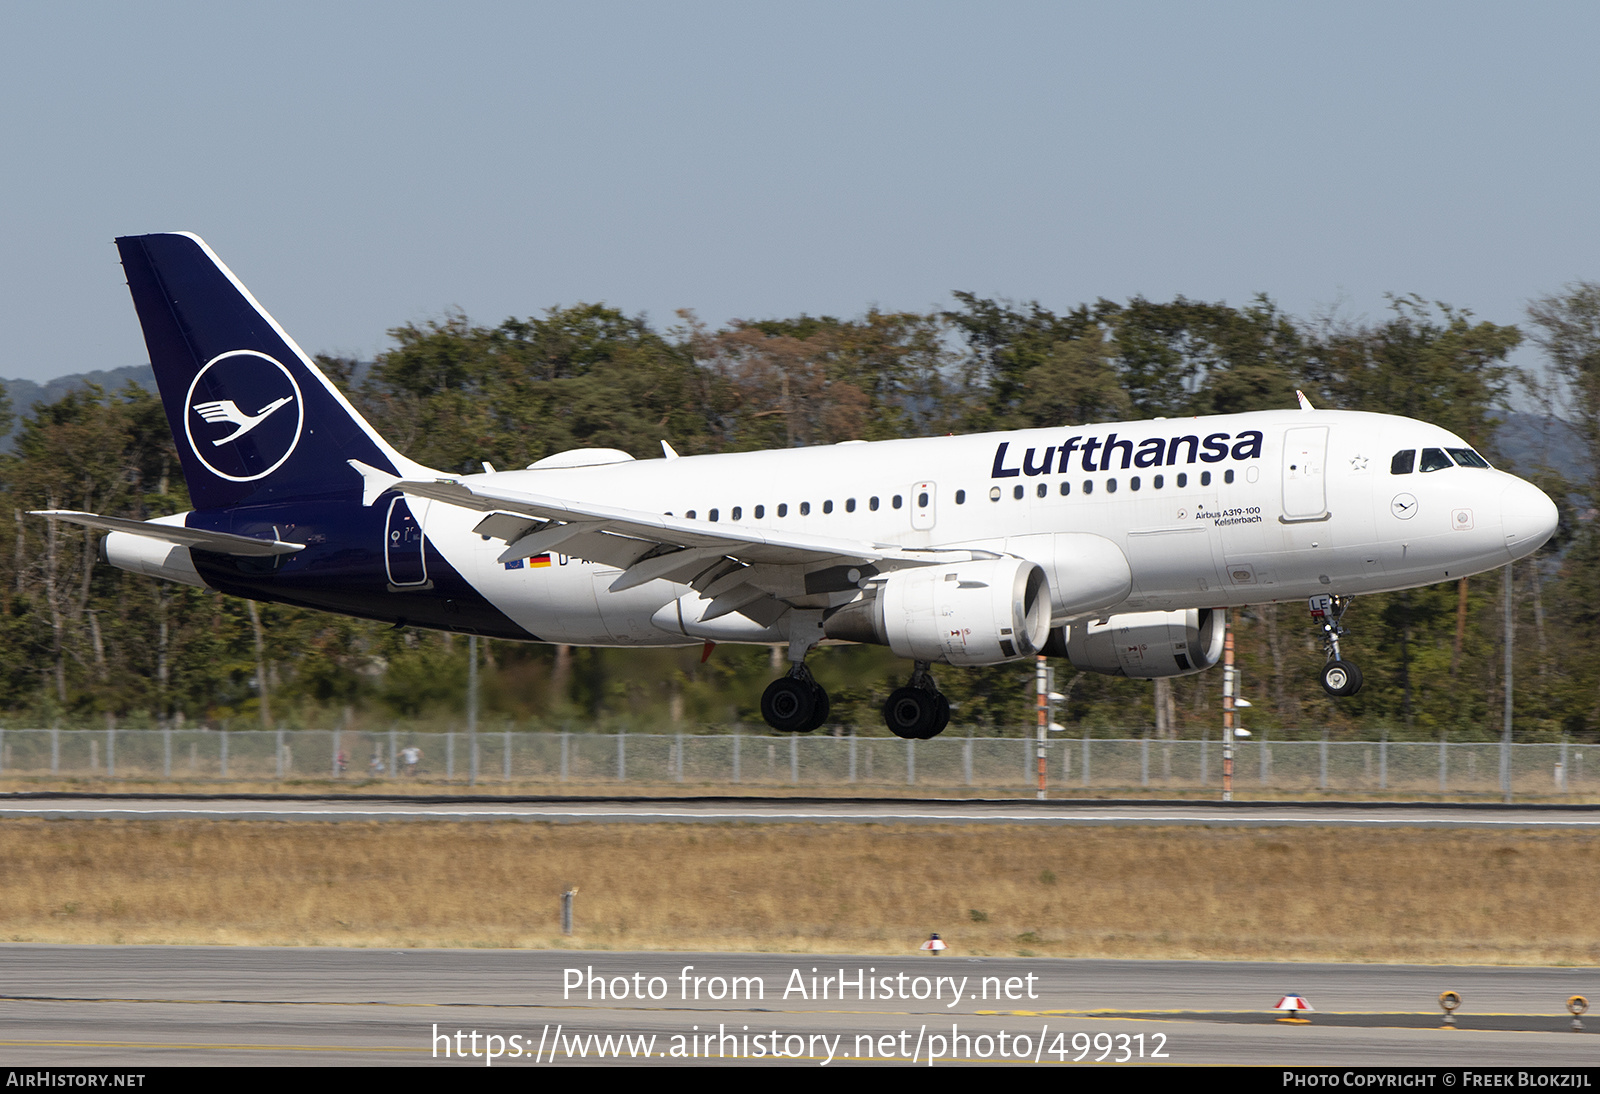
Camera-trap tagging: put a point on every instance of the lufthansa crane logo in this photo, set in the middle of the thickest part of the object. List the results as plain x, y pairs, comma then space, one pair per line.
245, 415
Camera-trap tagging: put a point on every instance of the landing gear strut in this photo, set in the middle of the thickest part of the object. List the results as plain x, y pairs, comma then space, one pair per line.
919, 711
796, 703
1339, 677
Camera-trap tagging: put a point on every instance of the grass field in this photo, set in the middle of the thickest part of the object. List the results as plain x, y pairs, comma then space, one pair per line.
1420, 895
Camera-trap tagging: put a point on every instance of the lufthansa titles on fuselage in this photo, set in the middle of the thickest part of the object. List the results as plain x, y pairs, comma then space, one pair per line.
1097, 455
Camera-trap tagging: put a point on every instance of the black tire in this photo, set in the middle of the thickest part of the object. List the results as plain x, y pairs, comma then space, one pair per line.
788, 705
820, 712
910, 713
941, 717
1356, 680
1341, 678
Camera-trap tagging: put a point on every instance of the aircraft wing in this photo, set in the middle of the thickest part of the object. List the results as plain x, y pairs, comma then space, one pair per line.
730, 563
223, 543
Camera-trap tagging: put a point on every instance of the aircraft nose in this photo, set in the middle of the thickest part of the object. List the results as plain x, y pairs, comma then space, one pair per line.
1528, 517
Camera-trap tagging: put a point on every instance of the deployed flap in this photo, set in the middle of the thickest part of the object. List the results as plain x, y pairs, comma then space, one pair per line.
222, 543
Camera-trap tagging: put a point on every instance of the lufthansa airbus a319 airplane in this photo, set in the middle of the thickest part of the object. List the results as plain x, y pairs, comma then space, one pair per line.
1117, 545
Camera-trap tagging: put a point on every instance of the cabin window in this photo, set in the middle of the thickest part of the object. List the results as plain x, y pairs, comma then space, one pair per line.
712, 514
896, 502
922, 500
1434, 459
1205, 478
1088, 486
994, 493
1158, 482
872, 503
1183, 479
1404, 462
961, 498
761, 511
690, 514
805, 509
1017, 492
1133, 483
1066, 488
849, 505
1043, 490
827, 506
1227, 476
1111, 486
1466, 457
783, 508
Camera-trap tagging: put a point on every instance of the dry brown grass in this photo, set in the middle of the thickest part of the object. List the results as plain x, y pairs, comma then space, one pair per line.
1326, 894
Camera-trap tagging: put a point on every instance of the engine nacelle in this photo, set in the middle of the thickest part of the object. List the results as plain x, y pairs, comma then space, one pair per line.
965, 613
1144, 645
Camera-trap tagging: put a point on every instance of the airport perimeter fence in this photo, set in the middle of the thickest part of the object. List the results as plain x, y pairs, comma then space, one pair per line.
545, 761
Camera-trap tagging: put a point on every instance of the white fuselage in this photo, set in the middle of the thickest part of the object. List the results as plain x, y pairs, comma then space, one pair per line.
1262, 507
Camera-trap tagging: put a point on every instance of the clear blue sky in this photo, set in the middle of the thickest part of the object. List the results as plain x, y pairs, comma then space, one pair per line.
364, 165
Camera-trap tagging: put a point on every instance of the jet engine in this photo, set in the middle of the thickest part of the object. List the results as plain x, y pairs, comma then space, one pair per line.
968, 613
1143, 645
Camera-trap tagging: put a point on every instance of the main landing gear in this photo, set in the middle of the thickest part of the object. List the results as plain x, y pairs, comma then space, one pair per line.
1339, 677
795, 703
919, 711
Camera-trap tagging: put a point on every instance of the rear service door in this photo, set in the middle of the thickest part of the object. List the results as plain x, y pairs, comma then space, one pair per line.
404, 547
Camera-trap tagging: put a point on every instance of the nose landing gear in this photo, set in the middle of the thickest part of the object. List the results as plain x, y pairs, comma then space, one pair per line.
1339, 677
919, 711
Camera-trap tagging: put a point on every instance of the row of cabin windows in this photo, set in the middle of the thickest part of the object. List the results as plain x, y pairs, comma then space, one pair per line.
1134, 483
760, 511
1434, 459
1042, 490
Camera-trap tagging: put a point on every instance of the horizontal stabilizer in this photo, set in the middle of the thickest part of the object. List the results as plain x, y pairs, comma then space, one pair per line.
222, 543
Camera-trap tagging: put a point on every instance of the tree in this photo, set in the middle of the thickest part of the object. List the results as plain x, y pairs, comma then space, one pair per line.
452, 394
1031, 367
1426, 362
1567, 328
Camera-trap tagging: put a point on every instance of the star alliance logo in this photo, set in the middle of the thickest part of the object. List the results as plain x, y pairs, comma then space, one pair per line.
252, 443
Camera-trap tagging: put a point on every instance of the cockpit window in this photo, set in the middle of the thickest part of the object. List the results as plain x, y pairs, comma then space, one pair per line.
1466, 457
1404, 462
1434, 459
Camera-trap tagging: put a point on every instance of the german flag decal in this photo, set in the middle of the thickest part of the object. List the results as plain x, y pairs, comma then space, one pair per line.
537, 562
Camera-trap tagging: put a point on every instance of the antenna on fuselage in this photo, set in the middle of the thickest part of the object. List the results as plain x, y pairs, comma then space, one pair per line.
1305, 404
668, 451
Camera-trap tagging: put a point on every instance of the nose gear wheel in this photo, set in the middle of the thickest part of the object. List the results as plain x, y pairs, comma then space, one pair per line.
1340, 678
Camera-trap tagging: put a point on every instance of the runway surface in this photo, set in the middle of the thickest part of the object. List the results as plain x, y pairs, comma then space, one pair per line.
127, 1007
790, 810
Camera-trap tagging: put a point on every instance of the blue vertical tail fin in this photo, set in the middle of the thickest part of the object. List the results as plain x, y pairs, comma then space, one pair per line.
254, 419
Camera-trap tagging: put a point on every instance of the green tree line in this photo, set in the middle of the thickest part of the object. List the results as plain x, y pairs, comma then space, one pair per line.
82, 642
